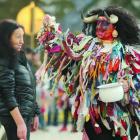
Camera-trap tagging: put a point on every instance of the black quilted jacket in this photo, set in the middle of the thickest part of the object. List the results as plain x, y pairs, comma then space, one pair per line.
18, 88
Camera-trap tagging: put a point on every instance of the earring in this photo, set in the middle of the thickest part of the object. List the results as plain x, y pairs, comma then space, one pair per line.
115, 33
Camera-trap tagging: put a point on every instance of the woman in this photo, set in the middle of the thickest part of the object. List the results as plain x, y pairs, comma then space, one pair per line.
17, 84
100, 56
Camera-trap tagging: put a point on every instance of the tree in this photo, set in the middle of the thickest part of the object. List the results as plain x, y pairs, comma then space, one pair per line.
10, 8
130, 5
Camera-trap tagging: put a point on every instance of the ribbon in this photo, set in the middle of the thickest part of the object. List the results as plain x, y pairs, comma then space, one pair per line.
54, 49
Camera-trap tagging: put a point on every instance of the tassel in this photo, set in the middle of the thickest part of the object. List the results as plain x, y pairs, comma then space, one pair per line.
110, 66
102, 104
44, 63
124, 137
116, 66
88, 97
93, 90
104, 110
58, 74
110, 109
136, 71
80, 80
38, 73
94, 124
102, 70
96, 112
95, 71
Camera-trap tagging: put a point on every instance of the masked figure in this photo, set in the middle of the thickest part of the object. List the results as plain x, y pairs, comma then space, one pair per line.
101, 58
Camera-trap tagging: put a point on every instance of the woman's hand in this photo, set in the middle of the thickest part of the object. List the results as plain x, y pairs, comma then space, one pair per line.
34, 124
21, 127
125, 84
22, 131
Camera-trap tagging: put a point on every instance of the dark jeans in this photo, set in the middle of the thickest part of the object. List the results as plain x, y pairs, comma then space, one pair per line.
11, 128
55, 120
105, 134
41, 121
66, 114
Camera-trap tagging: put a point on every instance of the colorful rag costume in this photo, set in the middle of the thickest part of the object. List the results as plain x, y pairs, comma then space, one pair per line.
101, 68
85, 64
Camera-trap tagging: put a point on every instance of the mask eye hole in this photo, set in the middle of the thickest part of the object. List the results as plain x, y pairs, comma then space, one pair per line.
104, 23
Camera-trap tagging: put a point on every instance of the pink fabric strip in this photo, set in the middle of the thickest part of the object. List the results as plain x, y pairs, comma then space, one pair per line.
69, 52
60, 59
119, 74
80, 105
92, 64
98, 52
106, 73
107, 58
114, 61
66, 57
85, 136
41, 40
50, 38
54, 49
38, 73
77, 90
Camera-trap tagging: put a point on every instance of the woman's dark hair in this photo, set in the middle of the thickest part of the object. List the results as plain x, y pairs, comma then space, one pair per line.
7, 51
127, 26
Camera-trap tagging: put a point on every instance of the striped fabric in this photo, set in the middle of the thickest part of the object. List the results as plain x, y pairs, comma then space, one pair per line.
85, 136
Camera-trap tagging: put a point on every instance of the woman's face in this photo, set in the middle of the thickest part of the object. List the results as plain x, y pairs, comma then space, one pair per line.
16, 39
104, 29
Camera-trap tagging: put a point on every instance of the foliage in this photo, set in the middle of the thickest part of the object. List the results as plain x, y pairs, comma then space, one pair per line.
130, 5
10, 8
61, 7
